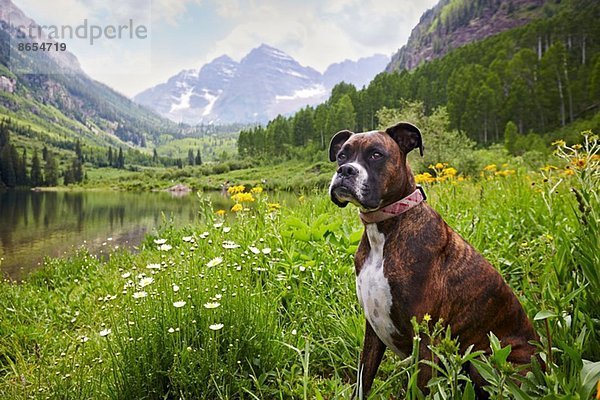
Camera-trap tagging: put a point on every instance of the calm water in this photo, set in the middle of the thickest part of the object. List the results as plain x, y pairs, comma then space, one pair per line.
38, 224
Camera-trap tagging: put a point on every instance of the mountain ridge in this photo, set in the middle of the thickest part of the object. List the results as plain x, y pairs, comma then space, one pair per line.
453, 23
264, 83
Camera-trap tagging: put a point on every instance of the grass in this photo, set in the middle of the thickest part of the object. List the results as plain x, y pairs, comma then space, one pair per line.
291, 175
211, 147
260, 304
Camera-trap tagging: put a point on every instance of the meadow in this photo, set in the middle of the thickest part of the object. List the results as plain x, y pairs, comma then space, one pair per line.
258, 301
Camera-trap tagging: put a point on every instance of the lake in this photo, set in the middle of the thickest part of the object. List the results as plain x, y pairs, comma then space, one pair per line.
34, 225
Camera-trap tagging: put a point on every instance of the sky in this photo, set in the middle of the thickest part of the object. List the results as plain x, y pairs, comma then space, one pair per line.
163, 37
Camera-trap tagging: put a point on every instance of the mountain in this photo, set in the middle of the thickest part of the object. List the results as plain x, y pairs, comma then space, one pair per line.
454, 23
358, 73
265, 83
49, 94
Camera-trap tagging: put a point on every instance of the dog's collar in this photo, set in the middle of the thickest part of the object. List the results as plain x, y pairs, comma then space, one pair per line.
394, 209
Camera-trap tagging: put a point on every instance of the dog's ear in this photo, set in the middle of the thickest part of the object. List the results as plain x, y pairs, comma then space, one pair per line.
337, 141
407, 136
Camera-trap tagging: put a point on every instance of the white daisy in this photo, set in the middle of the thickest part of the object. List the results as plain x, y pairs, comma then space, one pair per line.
216, 327
214, 262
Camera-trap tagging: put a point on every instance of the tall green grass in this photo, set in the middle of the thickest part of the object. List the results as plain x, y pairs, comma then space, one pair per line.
260, 304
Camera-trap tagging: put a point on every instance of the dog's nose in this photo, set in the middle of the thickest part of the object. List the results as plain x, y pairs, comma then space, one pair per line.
347, 170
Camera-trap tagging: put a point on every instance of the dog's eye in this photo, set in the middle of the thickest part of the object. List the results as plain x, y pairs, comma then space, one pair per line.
341, 157
376, 155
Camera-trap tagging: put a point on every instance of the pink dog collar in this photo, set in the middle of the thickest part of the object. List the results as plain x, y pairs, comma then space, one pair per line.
394, 209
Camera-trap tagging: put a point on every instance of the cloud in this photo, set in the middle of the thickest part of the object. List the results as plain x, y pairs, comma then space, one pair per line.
188, 33
171, 10
318, 33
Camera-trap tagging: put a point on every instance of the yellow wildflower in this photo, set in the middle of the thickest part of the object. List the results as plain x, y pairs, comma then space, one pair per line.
220, 213
505, 172
424, 178
559, 143
440, 165
256, 190
577, 146
237, 207
548, 168
242, 198
490, 168
568, 172
236, 189
449, 171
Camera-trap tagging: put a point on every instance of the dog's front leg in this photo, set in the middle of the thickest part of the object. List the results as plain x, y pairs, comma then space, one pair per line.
370, 358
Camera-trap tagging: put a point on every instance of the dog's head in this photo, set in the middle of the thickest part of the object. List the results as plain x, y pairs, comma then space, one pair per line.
372, 169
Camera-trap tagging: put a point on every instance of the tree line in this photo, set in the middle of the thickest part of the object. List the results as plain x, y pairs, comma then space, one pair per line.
20, 169
13, 165
538, 77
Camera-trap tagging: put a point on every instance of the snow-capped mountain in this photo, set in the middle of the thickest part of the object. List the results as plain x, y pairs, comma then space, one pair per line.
265, 83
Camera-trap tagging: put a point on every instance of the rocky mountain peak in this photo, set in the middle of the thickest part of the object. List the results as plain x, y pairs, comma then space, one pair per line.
265, 83
454, 23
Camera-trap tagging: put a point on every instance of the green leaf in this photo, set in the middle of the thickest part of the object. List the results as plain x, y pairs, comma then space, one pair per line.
590, 375
544, 314
516, 391
501, 355
485, 371
469, 393
355, 236
494, 342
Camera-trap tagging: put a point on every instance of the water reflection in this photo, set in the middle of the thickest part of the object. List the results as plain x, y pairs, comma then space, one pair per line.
38, 224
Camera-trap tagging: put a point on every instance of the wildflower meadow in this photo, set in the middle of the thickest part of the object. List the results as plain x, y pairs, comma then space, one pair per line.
258, 300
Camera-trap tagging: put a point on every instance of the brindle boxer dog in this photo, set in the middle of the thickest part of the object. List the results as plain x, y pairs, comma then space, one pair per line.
411, 263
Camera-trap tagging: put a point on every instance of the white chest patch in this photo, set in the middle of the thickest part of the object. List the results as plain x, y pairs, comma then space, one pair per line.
374, 292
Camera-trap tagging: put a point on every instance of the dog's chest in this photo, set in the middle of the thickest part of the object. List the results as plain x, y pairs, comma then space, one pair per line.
373, 290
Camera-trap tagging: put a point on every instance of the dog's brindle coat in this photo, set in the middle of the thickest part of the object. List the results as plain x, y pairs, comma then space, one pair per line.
414, 264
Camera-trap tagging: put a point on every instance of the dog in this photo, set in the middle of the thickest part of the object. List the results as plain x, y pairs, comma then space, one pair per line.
410, 263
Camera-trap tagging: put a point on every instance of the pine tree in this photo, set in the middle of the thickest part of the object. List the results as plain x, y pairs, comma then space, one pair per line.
191, 157
7, 166
77, 170
35, 178
51, 170
21, 168
110, 157
121, 159
154, 156
4, 133
198, 159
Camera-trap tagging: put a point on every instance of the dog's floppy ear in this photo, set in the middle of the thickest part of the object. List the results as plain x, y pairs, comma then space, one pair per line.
337, 141
407, 136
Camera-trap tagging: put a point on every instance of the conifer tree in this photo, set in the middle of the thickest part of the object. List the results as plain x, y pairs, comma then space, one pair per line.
35, 178
7, 166
51, 170
120, 159
191, 159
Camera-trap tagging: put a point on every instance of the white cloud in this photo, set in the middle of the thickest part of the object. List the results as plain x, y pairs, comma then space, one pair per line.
188, 33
